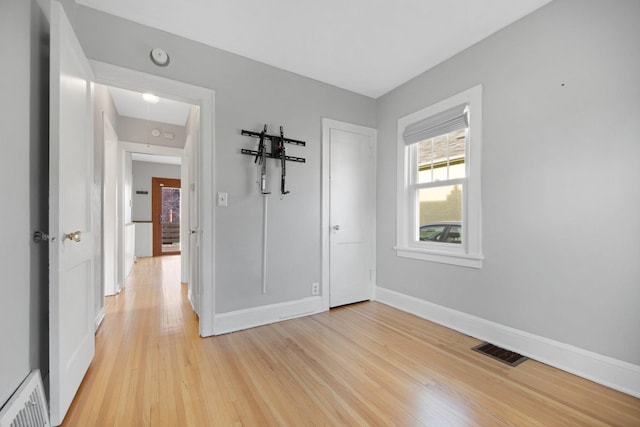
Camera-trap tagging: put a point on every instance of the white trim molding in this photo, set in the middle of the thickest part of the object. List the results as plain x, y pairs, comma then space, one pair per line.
257, 316
610, 372
325, 213
460, 259
99, 318
468, 253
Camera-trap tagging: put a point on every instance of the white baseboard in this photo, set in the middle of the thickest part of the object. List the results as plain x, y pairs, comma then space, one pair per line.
610, 372
264, 315
191, 301
109, 292
99, 318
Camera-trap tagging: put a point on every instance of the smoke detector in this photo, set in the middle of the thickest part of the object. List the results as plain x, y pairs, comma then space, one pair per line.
159, 57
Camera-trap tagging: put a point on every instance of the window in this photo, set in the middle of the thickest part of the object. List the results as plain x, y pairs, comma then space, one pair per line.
439, 181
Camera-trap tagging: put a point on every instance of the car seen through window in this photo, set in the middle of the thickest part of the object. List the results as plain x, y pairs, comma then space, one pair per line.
446, 232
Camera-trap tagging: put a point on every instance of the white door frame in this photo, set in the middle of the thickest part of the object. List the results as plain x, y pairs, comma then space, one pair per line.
112, 75
110, 215
327, 125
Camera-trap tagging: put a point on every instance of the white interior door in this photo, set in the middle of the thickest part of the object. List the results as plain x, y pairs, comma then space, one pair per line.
71, 337
351, 212
194, 225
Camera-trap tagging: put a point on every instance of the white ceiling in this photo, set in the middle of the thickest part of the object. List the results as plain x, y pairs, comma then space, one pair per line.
131, 104
366, 46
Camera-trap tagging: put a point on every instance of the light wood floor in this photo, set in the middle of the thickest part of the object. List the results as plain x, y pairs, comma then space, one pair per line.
365, 364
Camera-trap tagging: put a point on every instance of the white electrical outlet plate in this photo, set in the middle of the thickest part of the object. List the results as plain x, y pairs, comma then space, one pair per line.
315, 288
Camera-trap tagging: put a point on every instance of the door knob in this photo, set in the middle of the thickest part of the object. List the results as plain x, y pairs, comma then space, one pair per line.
336, 227
76, 236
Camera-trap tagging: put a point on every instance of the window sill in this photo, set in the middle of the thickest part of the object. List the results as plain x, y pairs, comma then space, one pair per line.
463, 260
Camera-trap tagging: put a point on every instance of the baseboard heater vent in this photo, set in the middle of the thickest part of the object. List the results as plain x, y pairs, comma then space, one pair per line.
28, 406
505, 356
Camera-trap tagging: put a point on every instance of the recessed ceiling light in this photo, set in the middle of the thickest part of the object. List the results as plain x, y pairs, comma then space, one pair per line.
150, 98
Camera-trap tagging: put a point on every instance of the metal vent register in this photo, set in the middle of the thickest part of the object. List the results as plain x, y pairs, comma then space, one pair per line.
27, 407
505, 356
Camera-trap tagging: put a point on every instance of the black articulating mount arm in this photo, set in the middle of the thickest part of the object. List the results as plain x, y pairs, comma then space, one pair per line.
278, 151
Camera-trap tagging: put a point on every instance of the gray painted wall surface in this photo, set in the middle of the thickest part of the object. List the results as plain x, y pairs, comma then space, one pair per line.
142, 174
24, 130
137, 130
559, 181
248, 95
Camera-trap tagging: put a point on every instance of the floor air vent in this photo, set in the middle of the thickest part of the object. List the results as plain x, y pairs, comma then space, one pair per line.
505, 356
27, 407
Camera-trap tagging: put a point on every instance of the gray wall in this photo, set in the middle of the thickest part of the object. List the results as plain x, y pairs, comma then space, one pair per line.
142, 174
559, 180
137, 130
248, 94
24, 132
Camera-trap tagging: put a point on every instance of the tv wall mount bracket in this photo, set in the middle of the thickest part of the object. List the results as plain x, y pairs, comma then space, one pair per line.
278, 151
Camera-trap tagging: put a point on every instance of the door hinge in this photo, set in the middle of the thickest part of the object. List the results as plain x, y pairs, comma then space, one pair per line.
41, 237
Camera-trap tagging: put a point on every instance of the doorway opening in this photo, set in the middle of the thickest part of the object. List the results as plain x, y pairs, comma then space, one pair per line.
165, 202
144, 137
196, 175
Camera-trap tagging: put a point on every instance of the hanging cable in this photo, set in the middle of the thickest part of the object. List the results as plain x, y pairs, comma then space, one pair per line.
264, 243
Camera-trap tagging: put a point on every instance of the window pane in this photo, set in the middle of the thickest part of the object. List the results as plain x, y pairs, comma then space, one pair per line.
454, 235
440, 207
431, 232
170, 219
442, 157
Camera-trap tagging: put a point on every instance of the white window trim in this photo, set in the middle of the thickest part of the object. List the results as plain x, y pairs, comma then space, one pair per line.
469, 253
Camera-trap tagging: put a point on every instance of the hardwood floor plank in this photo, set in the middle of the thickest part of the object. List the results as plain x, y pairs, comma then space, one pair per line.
364, 364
